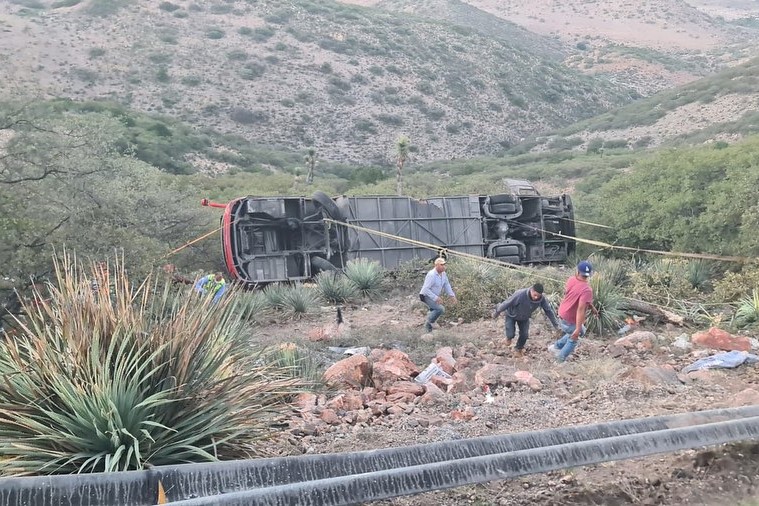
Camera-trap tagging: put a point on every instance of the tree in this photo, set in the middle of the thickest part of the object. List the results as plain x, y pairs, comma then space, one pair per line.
402, 147
310, 160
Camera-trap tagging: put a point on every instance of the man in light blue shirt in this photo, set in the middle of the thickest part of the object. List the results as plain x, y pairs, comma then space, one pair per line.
435, 283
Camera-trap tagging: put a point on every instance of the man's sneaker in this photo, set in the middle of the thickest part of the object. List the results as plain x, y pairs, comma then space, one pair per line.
553, 349
428, 327
508, 343
519, 353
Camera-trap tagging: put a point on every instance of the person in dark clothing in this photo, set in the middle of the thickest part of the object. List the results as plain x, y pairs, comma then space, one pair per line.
519, 308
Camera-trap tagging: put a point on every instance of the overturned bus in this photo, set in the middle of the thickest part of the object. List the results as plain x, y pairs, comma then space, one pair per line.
268, 239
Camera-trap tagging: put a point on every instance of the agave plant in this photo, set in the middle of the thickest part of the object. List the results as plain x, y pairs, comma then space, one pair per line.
296, 362
252, 305
275, 294
94, 381
298, 300
608, 300
336, 288
699, 274
366, 275
748, 310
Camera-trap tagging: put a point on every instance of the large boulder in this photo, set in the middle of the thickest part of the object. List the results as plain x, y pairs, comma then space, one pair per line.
393, 366
352, 372
718, 339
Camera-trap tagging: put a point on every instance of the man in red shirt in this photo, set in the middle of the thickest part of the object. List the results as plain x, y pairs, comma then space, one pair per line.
578, 297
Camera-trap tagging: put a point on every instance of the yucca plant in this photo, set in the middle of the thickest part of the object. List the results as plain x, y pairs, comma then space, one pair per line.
335, 287
252, 305
608, 299
296, 362
748, 310
94, 381
613, 270
366, 275
299, 300
275, 294
699, 274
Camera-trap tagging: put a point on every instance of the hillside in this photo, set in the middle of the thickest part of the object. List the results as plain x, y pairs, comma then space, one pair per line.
346, 79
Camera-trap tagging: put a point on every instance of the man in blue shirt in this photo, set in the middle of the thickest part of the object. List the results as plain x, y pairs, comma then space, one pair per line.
213, 284
435, 283
519, 308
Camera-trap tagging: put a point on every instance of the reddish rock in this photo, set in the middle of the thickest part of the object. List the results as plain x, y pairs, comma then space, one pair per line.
440, 382
494, 374
397, 409
639, 339
462, 415
347, 401
747, 397
432, 395
445, 360
401, 397
351, 372
460, 383
408, 387
364, 415
664, 375
528, 379
305, 401
329, 416
718, 339
393, 366
430, 420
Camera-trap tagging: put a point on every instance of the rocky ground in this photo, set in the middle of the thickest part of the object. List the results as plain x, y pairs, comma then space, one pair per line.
608, 379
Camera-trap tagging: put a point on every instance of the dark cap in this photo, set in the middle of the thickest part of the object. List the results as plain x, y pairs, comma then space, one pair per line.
585, 269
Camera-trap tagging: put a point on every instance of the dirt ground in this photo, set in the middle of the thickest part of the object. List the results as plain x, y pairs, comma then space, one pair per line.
601, 383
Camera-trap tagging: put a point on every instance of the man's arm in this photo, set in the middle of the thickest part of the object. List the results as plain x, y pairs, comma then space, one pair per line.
579, 320
447, 286
507, 304
548, 310
199, 284
427, 287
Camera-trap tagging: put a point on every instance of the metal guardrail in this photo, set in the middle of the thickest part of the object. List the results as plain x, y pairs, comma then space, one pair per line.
349, 478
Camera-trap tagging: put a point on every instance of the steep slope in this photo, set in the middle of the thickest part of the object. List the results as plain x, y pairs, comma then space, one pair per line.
722, 107
346, 79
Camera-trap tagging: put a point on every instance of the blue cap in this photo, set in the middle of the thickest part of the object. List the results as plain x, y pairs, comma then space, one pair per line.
584, 268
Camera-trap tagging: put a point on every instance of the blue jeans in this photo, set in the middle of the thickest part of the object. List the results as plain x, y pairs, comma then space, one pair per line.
510, 330
566, 345
435, 311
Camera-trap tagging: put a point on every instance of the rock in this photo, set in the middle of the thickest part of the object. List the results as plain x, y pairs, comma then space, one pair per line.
432, 395
305, 401
747, 397
462, 415
393, 366
347, 401
430, 420
444, 359
406, 387
528, 379
682, 342
718, 339
640, 339
401, 397
664, 375
351, 372
330, 417
494, 374
460, 383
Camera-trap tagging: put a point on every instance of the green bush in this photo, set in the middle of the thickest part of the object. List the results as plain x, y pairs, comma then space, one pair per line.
747, 311
119, 377
215, 33
299, 300
366, 275
335, 287
608, 300
479, 286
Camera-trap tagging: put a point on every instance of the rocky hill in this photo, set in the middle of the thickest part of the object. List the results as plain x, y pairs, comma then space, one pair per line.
346, 79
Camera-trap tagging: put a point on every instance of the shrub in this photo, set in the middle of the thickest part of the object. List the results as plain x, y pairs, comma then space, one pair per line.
608, 299
298, 300
748, 310
479, 286
275, 295
366, 275
96, 52
252, 306
336, 288
168, 6
699, 274
296, 363
215, 33
121, 377
733, 286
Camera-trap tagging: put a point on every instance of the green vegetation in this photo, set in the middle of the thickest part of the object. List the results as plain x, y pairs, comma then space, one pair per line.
167, 379
366, 275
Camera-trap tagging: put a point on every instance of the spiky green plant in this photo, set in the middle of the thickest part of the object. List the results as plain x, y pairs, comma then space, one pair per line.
699, 274
275, 294
252, 305
608, 300
335, 287
95, 381
299, 300
367, 275
614, 270
297, 362
748, 310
